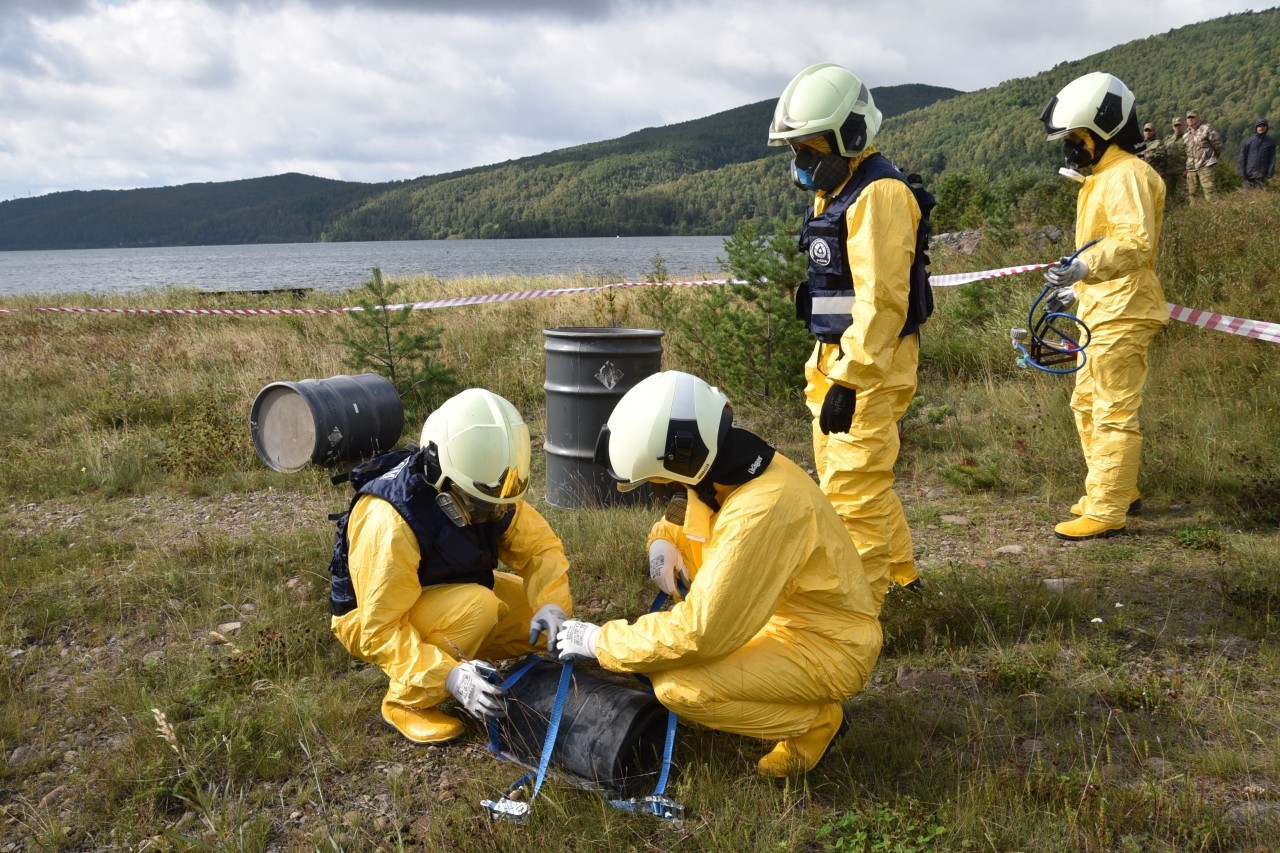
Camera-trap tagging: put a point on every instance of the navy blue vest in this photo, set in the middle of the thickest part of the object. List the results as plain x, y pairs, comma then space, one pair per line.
450, 554
825, 301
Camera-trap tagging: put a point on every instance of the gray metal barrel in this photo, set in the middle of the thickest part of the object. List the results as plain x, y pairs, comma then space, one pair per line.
588, 371
325, 421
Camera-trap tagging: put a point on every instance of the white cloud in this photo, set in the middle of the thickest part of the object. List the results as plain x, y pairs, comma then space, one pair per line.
98, 94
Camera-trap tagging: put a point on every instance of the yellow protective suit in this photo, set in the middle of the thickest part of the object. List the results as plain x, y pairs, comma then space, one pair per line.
1121, 301
417, 635
855, 469
779, 623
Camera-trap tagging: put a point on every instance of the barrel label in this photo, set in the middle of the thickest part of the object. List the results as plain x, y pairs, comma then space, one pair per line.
335, 437
609, 375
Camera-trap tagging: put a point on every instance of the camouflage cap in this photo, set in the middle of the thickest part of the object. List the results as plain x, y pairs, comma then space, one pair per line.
1148, 126
1192, 114
1179, 120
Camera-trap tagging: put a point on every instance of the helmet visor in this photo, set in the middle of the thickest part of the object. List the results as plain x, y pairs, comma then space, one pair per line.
511, 484
601, 458
475, 510
1047, 118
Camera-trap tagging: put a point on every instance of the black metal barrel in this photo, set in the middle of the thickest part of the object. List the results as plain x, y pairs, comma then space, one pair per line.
588, 371
610, 735
325, 421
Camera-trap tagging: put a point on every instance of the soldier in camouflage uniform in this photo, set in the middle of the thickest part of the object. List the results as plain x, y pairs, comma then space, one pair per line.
1152, 147
1175, 163
1203, 147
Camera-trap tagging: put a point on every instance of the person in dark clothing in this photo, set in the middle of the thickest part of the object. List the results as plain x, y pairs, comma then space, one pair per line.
1257, 160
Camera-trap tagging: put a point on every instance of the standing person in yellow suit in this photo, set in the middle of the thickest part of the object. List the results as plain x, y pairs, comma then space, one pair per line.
414, 589
1119, 210
778, 626
864, 300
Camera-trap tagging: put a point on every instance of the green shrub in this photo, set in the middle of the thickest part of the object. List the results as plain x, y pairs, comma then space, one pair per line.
378, 339
745, 337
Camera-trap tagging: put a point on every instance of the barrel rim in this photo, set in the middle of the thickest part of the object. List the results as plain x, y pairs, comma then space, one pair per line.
601, 332
255, 427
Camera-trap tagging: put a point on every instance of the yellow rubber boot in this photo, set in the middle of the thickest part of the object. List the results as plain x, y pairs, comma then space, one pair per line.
421, 725
1135, 505
796, 756
1086, 528
906, 576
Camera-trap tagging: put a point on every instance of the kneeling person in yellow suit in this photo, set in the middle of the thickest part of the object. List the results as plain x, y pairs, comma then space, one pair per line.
418, 594
779, 626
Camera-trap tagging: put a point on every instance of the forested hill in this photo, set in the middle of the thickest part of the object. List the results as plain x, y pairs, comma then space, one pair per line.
545, 190
1226, 68
282, 208
705, 176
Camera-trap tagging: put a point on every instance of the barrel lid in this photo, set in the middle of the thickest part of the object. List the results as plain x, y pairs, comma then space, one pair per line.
283, 427
601, 332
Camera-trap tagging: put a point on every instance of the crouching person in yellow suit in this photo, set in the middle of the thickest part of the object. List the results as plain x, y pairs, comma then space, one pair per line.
778, 626
414, 587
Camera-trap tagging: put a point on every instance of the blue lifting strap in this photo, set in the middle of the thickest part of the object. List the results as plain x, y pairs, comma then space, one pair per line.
495, 737
517, 811
658, 803
660, 601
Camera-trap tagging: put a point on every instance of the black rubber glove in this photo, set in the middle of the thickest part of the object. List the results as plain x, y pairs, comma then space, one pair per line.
837, 409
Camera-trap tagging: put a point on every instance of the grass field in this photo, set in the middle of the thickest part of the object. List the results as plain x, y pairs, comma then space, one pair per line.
168, 680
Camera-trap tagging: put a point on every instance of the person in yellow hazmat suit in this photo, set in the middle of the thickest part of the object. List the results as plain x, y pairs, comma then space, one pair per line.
866, 296
778, 626
1120, 211
413, 583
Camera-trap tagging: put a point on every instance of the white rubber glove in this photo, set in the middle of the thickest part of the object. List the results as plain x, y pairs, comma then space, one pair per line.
666, 566
1066, 272
480, 698
577, 641
549, 618
1060, 299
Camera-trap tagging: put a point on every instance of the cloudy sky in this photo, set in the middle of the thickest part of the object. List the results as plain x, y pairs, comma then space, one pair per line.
115, 94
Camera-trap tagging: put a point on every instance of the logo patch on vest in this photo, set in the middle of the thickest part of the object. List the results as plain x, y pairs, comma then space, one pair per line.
820, 253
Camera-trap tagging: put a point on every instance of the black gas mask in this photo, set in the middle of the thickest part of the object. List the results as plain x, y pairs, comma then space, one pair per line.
820, 172
461, 508
1076, 154
1082, 148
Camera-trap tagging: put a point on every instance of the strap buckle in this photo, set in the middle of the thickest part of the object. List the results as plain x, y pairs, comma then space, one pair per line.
512, 811
513, 806
659, 805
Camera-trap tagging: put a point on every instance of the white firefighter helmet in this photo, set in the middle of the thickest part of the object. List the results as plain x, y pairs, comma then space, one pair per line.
481, 445
826, 99
1098, 102
669, 426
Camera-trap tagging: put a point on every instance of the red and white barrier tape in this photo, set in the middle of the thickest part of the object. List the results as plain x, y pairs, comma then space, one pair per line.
221, 312
1257, 329
535, 294
453, 302
956, 279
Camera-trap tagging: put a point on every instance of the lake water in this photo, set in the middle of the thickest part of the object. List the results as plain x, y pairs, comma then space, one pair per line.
341, 266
